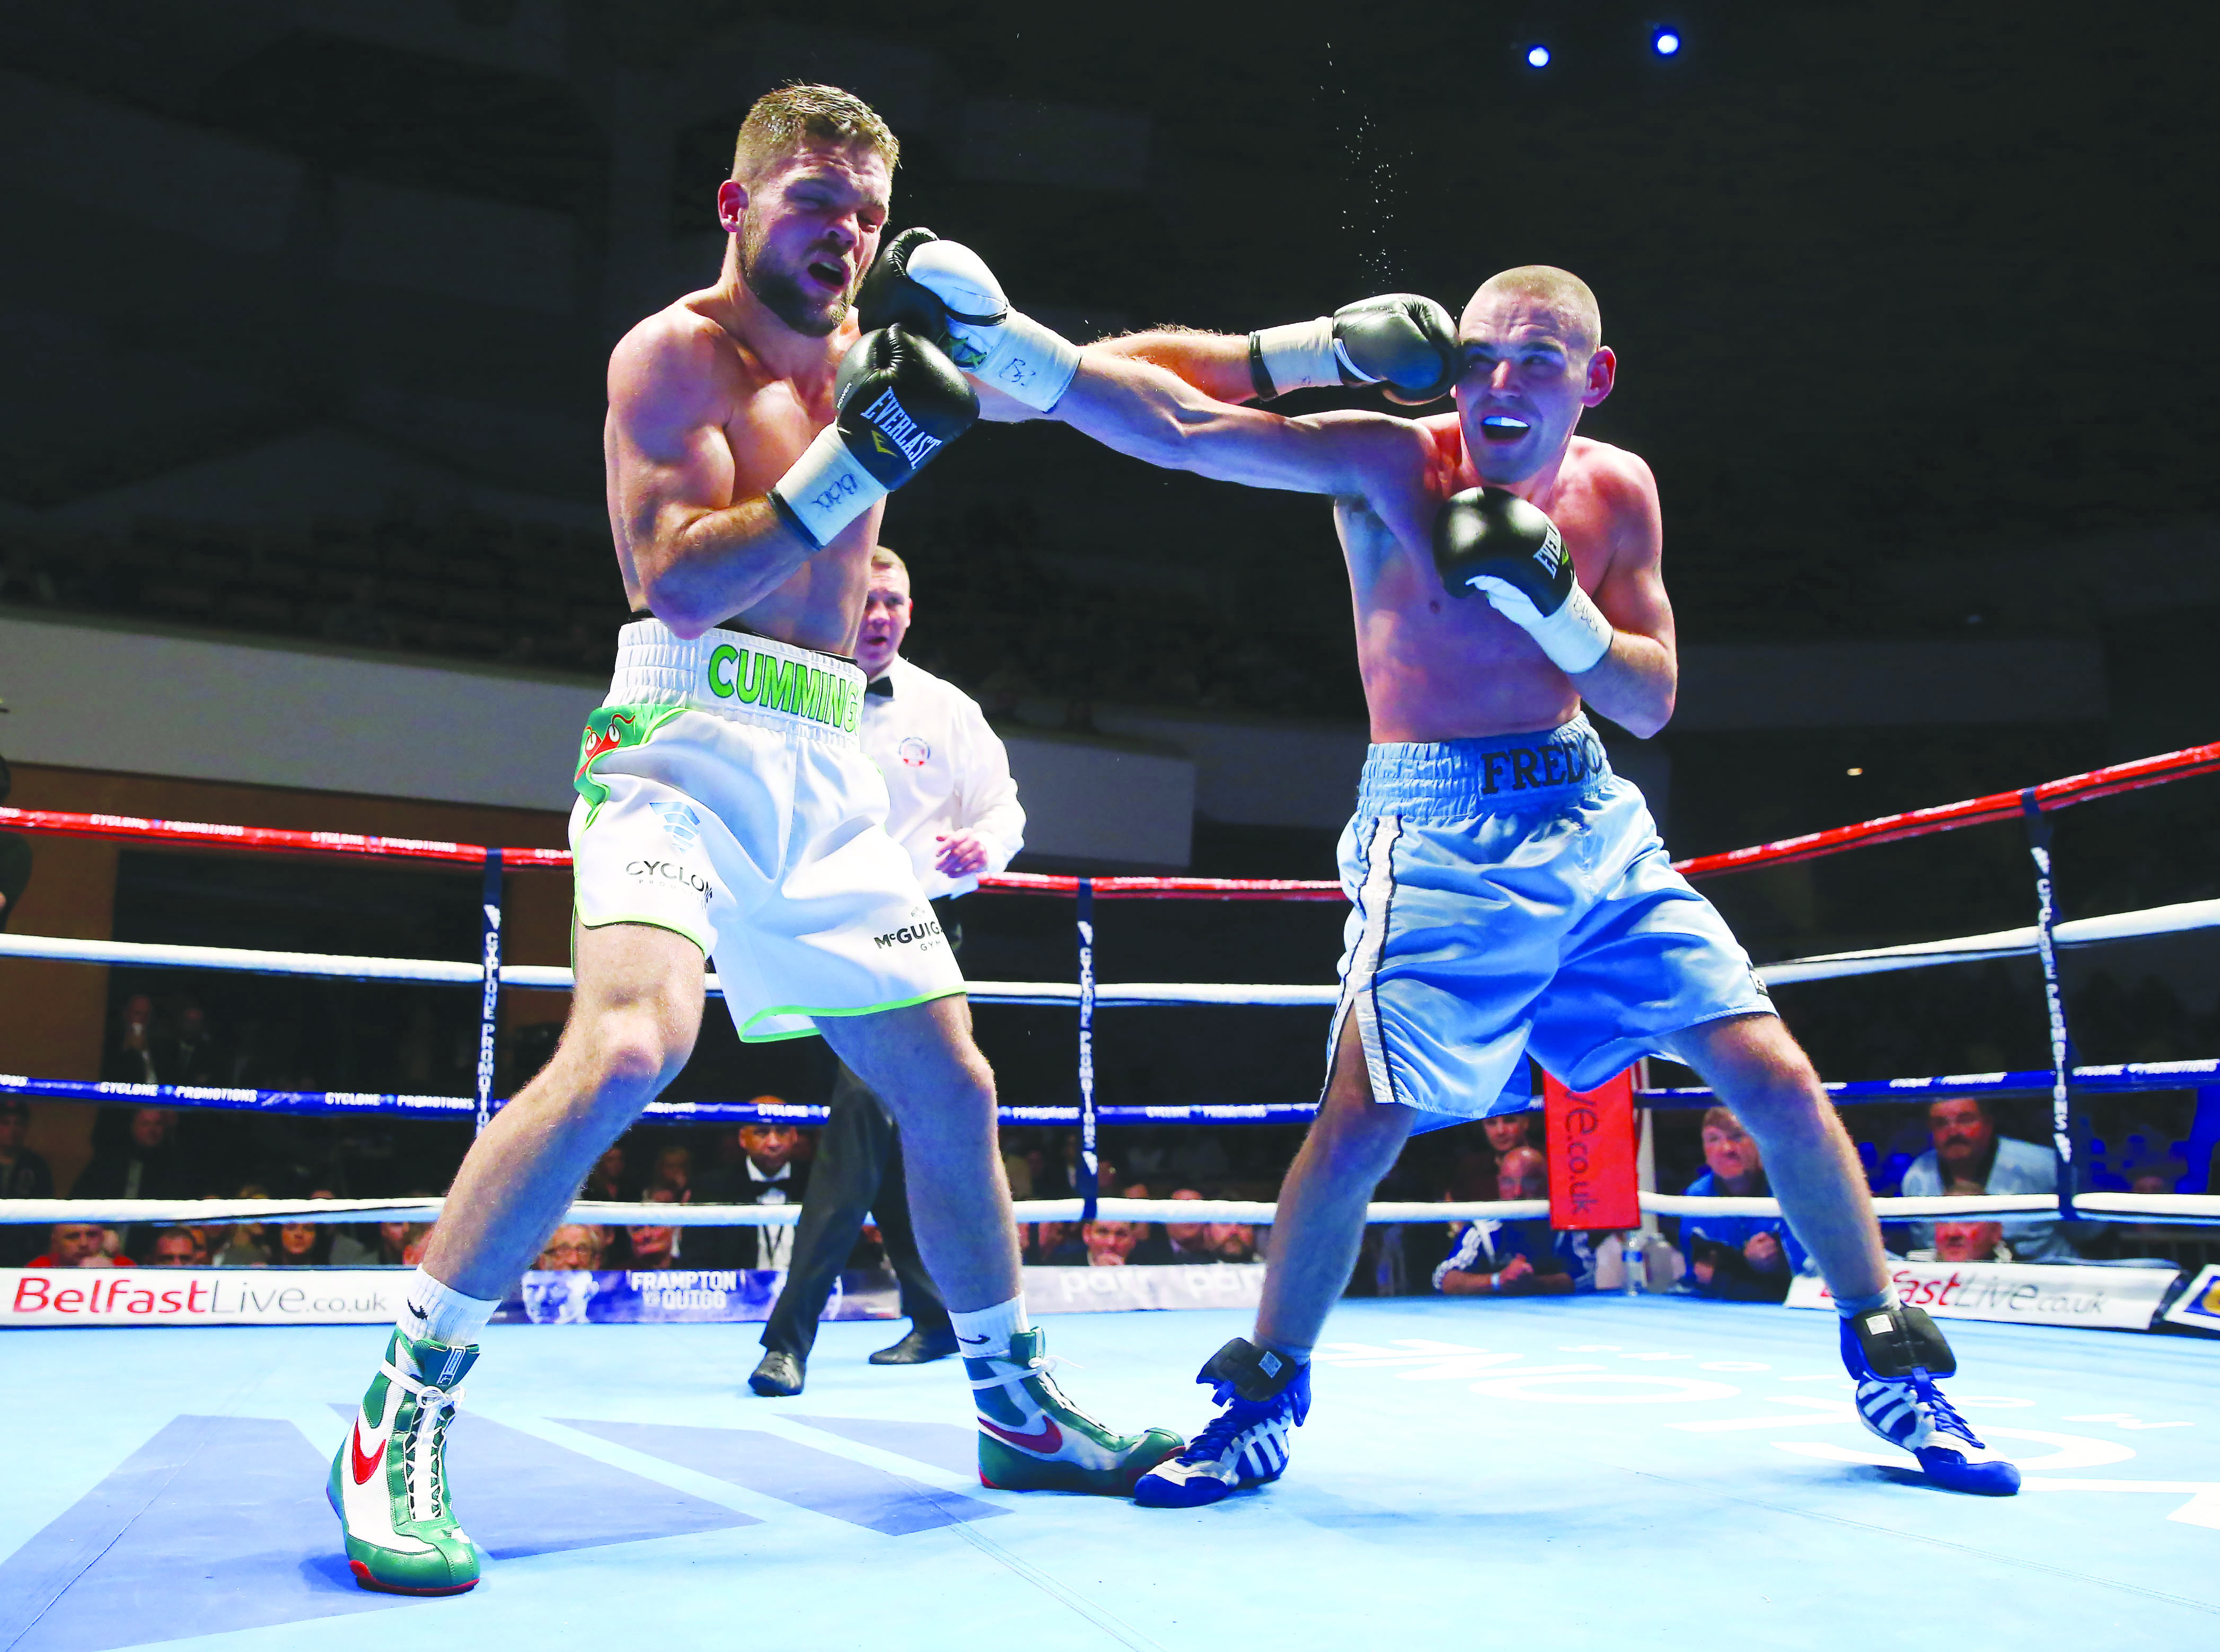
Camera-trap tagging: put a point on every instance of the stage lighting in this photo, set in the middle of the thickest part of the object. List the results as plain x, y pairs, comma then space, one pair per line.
1665, 42
1538, 56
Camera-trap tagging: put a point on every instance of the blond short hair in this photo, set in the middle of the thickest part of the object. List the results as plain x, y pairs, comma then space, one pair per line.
882, 558
781, 119
1571, 299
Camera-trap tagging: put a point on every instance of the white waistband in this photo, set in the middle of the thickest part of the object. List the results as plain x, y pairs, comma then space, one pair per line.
738, 675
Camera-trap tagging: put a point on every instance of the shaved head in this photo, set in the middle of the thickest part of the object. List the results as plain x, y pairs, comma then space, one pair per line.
1564, 294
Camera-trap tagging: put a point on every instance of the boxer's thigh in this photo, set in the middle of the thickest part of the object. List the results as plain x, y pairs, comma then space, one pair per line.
1452, 939
835, 925
1649, 959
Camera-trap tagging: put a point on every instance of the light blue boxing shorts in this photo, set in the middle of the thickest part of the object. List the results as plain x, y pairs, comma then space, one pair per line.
1510, 894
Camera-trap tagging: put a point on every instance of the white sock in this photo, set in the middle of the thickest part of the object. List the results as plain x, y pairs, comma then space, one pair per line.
1851, 1306
432, 1313
985, 1333
1299, 1352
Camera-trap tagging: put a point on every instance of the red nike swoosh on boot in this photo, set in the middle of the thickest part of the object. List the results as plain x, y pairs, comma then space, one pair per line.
1047, 1438
363, 1467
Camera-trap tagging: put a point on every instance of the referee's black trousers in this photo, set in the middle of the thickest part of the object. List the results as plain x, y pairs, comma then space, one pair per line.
857, 1172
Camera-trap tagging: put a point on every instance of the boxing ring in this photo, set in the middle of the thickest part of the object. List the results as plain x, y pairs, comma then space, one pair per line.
1471, 1466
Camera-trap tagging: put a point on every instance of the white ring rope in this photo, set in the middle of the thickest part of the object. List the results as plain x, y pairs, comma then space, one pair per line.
602, 1213
2005, 943
1969, 949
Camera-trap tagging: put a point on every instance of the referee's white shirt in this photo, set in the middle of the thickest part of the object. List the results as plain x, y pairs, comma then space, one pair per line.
947, 771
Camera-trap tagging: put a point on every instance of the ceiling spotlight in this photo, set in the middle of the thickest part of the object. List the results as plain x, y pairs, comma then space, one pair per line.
1854, 772
1538, 56
1665, 42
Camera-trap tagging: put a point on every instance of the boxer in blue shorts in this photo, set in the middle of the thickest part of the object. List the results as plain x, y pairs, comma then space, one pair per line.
1509, 894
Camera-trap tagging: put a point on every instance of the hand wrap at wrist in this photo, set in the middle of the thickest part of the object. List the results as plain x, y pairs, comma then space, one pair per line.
826, 490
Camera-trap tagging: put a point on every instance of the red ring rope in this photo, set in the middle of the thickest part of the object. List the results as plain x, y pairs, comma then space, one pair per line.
2158, 771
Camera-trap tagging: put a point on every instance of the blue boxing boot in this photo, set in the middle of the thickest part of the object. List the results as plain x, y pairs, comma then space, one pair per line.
1894, 1354
1262, 1395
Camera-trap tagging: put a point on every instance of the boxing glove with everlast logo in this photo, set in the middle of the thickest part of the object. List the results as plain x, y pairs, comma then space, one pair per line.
943, 291
1490, 541
898, 401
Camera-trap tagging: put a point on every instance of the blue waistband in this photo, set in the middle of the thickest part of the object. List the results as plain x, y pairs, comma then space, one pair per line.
1458, 780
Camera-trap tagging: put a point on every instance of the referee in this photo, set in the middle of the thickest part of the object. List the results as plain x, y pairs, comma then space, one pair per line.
954, 806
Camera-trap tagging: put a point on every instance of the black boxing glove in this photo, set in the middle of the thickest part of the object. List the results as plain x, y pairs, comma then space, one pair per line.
900, 400
1400, 339
1490, 541
944, 291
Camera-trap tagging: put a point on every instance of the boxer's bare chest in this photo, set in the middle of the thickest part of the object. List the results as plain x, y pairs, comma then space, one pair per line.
1438, 667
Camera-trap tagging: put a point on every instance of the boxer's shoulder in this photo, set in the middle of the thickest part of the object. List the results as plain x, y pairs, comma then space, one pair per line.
1610, 474
677, 355
1607, 491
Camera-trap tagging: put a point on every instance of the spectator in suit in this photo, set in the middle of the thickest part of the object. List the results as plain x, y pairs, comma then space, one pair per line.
1735, 1258
1230, 1242
191, 1055
130, 1058
1186, 1242
1969, 1157
767, 1172
23, 1175
147, 1164
1108, 1244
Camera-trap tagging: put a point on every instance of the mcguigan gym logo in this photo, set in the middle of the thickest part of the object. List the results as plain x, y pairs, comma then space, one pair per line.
669, 871
889, 424
922, 934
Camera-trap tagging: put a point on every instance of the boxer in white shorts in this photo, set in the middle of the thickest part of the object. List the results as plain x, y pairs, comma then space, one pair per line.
725, 810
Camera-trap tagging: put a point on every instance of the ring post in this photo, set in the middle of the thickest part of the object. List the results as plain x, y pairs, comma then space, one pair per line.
2061, 1042
490, 995
1089, 1168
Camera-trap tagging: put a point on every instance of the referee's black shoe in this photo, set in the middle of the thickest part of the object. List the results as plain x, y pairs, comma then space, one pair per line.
919, 1347
778, 1376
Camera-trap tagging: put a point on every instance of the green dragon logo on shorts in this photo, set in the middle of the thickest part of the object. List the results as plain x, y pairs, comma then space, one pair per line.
609, 729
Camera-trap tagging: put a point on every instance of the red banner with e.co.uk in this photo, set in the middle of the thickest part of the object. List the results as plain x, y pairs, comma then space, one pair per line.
1593, 1137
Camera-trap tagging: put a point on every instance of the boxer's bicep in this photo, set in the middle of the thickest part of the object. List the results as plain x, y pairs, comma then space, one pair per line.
671, 462
1148, 413
1631, 593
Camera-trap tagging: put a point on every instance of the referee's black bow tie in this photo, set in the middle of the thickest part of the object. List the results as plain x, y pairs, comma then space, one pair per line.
883, 687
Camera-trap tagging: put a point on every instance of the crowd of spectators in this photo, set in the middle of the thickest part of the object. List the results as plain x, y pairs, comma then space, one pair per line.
472, 586
1954, 1145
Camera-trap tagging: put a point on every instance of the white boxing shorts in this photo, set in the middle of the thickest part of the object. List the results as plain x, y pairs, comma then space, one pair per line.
723, 795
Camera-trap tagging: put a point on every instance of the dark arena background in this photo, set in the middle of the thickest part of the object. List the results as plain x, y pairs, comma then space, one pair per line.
306, 307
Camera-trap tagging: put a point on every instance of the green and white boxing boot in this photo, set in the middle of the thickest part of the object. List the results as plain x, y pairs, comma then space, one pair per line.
1032, 1438
389, 1482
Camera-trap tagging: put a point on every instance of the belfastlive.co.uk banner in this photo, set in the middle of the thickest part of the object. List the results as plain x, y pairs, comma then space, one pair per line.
364, 1296
2034, 1293
200, 1296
